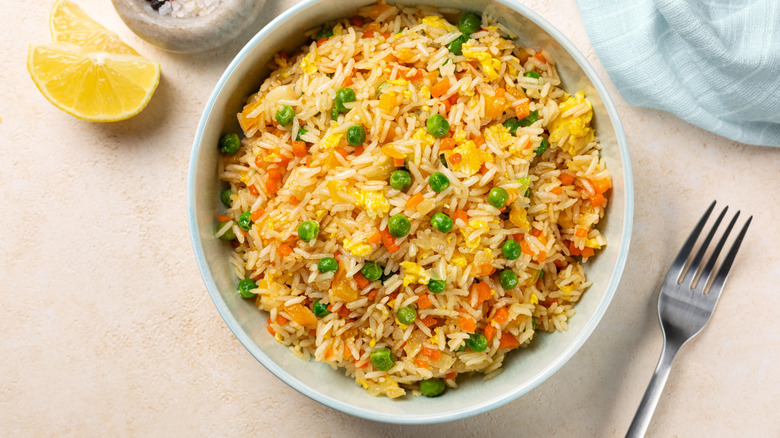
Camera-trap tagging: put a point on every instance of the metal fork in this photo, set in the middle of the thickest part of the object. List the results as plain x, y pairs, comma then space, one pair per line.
685, 305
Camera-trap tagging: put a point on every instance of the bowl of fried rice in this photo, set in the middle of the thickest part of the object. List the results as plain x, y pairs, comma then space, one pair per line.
411, 212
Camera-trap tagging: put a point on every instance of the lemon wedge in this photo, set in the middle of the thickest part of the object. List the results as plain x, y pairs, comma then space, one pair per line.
68, 23
96, 86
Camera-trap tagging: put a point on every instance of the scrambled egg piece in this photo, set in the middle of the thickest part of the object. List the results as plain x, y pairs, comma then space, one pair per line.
401, 82
592, 243
414, 273
331, 141
374, 203
472, 158
534, 299
334, 187
309, 63
472, 241
578, 128
460, 261
357, 249
490, 65
567, 290
423, 137
499, 134
439, 23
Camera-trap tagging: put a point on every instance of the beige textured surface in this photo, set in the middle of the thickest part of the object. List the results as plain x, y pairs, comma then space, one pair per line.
106, 328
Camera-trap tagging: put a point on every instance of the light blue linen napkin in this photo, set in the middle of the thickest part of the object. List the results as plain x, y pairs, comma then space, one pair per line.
713, 63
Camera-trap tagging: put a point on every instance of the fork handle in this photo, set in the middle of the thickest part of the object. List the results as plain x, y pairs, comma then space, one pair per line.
653, 393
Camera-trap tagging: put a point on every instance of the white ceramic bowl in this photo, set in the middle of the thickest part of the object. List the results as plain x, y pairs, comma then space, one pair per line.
524, 369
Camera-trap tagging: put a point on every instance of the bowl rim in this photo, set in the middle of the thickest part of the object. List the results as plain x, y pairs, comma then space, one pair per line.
455, 414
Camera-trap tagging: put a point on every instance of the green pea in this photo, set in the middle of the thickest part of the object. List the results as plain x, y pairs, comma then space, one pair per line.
245, 220
225, 197
245, 288
398, 226
229, 144
334, 114
497, 197
437, 126
320, 309
432, 387
532, 74
438, 182
456, 46
285, 115
323, 33
469, 23
381, 88
344, 95
437, 286
308, 230
372, 271
461, 348
530, 119
406, 315
328, 264
387, 276
542, 147
442, 222
382, 359
476, 342
356, 135
400, 180
512, 125
511, 249
508, 279
301, 132
229, 234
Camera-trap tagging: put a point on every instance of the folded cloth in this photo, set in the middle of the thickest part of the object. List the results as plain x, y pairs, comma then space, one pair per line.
713, 63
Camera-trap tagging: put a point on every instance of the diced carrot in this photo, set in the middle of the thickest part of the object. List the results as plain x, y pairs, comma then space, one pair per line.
482, 292
587, 252
455, 158
347, 352
294, 200
526, 249
271, 186
423, 302
429, 321
440, 87
495, 105
483, 169
597, 200
359, 150
540, 57
253, 190
361, 280
454, 99
536, 232
556, 190
479, 140
549, 302
375, 238
363, 365
468, 324
573, 249
508, 340
271, 330
415, 200
416, 75
259, 162
486, 269
398, 162
513, 195
541, 256
331, 351
433, 353
447, 106
357, 20
559, 264
490, 331
321, 41
274, 174
223, 218
281, 320
343, 311
462, 215
389, 241
447, 143
299, 148
518, 237
601, 185
284, 250
501, 316
522, 110
420, 363
312, 332
566, 178
581, 232
371, 295
308, 161
368, 34
451, 375
257, 214
347, 81
343, 152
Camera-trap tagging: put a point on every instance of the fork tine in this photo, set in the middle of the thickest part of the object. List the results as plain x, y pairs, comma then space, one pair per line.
685, 251
690, 275
725, 267
707, 271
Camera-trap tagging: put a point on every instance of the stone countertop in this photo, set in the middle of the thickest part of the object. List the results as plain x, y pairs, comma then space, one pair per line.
107, 328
